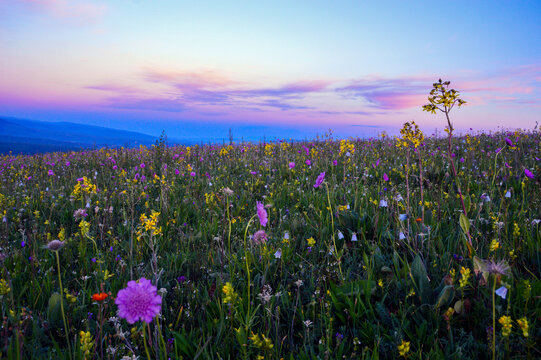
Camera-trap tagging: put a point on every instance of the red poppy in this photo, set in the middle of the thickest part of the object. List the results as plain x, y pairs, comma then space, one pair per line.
99, 297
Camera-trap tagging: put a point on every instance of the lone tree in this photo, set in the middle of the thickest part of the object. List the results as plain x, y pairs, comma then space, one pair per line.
444, 100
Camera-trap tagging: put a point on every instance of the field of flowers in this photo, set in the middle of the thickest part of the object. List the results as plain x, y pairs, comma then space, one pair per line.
297, 250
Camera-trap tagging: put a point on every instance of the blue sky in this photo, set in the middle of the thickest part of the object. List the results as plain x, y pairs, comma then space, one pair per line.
280, 67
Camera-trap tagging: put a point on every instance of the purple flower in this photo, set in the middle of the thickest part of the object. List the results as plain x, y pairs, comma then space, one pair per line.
319, 179
291, 165
308, 162
262, 214
192, 174
508, 141
528, 173
385, 177
177, 172
142, 165
51, 173
335, 162
138, 301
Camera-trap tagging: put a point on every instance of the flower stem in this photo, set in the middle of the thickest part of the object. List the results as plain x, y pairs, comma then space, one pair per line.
336, 255
494, 320
145, 343
66, 329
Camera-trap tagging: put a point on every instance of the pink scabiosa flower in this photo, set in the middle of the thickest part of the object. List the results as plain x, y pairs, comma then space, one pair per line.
262, 214
319, 180
528, 173
51, 173
260, 237
291, 165
138, 301
308, 162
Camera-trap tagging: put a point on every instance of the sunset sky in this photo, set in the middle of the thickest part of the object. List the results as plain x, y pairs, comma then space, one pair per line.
268, 68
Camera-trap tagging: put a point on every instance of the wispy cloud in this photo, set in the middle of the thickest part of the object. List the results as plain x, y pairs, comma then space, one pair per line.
210, 91
70, 11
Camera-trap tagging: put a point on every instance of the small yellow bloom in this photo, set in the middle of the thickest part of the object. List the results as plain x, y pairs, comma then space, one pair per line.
494, 245
523, 325
404, 348
465, 279
311, 241
507, 325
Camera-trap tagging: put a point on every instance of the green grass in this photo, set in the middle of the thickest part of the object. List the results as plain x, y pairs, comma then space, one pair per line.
337, 299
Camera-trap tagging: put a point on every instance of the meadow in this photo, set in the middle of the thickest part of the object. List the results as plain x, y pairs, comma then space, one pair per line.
323, 249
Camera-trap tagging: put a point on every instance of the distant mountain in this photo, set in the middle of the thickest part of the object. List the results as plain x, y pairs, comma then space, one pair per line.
21, 136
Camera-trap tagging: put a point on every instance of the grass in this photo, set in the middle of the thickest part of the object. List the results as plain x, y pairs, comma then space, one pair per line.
401, 289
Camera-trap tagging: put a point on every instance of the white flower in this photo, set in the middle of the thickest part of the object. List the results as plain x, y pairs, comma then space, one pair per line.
308, 323
508, 194
354, 237
403, 217
299, 283
286, 235
401, 236
382, 203
340, 235
278, 254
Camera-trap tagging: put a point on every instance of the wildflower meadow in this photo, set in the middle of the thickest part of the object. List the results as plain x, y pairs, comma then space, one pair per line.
416, 246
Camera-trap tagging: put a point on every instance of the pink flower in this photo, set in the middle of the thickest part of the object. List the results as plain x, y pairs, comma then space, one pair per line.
319, 179
138, 301
335, 162
192, 174
308, 162
385, 177
528, 173
262, 214
291, 165
260, 237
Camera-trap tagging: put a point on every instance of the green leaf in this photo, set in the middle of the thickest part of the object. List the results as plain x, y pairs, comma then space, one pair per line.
464, 224
420, 279
480, 266
446, 296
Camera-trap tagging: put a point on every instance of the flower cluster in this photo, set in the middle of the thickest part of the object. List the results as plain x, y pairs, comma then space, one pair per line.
411, 135
261, 342
465, 278
507, 325
230, 295
404, 348
87, 344
149, 224
523, 325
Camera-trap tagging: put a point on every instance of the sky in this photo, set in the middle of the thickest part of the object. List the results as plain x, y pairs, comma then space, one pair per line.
286, 69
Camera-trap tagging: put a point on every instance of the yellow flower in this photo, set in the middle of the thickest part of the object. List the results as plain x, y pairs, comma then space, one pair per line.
311, 241
465, 279
523, 325
87, 344
505, 321
261, 342
494, 245
230, 294
404, 348
380, 283
4, 287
